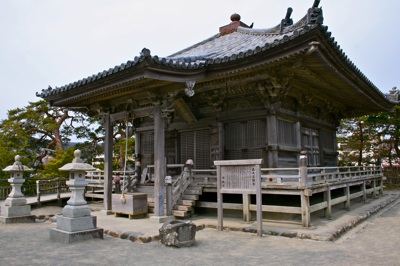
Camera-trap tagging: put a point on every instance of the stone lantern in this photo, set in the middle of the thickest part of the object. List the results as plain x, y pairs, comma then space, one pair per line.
15, 209
76, 223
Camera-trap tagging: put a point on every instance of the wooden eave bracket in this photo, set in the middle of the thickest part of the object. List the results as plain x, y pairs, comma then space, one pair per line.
184, 111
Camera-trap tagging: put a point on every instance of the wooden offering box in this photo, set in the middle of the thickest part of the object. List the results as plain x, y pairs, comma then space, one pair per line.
132, 204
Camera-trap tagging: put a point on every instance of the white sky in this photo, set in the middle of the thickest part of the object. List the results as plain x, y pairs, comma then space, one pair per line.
54, 42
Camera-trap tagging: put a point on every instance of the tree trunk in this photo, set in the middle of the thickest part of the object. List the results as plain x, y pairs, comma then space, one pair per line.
57, 140
360, 150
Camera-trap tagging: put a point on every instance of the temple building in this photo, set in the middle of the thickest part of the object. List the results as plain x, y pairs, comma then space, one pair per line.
243, 93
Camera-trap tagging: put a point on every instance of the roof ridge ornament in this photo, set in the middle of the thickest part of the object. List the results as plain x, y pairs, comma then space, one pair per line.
394, 95
234, 25
145, 52
287, 21
314, 14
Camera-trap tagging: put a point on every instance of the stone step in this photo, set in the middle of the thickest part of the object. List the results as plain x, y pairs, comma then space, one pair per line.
190, 197
186, 202
193, 192
196, 187
183, 208
180, 214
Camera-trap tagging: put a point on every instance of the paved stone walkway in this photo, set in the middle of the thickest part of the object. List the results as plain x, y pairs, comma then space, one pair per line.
374, 242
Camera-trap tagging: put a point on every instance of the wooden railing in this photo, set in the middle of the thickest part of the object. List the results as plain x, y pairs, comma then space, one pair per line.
318, 175
56, 185
4, 191
172, 170
28, 188
291, 176
181, 184
205, 177
97, 177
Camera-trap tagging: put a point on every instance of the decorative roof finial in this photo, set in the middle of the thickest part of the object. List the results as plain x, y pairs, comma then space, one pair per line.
287, 21
145, 52
316, 3
314, 14
233, 26
235, 17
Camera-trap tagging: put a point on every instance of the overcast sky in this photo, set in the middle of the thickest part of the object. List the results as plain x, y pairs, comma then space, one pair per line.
54, 42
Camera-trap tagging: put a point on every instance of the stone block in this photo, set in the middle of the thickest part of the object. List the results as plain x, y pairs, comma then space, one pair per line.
15, 201
161, 219
16, 211
178, 233
76, 224
65, 237
131, 203
21, 219
76, 211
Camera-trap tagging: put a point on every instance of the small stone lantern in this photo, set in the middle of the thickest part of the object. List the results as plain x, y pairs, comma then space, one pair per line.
76, 223
15, 209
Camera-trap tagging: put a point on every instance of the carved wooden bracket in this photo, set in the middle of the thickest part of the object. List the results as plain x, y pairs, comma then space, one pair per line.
216, 99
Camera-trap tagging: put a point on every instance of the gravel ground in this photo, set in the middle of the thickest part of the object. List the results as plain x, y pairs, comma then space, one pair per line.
375, 242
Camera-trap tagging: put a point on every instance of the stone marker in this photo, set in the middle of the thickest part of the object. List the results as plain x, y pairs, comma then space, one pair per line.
76, 223
15, 209
178, 233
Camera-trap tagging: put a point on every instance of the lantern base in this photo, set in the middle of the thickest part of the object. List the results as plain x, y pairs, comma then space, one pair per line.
20, 219
15, 211
76, 224
65, 237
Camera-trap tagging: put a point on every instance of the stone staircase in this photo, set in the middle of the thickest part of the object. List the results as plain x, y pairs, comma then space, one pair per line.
184, 208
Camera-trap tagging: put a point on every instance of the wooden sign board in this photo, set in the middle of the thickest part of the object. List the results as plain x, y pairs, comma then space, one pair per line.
239, 177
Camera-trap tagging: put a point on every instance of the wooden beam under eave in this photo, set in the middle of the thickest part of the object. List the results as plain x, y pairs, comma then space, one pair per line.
183, 110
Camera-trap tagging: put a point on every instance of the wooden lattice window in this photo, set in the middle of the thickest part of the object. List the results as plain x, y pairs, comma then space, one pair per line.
328, 139
287, 135
310, 143
147, 147
195, 145
245, 140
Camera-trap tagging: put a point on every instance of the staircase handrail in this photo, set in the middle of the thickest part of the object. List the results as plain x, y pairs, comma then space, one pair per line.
181, 184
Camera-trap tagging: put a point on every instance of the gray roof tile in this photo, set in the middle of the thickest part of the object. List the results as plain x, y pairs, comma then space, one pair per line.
243, 42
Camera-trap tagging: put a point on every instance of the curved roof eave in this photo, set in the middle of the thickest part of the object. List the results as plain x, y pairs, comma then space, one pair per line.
178, 64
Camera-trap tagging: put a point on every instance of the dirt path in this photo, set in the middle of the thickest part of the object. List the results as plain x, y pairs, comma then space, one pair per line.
375, 242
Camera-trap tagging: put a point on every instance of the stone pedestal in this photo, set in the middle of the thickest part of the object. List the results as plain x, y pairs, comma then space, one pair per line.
76, 223
15, 208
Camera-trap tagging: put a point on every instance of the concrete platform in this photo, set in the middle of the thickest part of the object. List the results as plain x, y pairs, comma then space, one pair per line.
144, 230
322, 229
65, 237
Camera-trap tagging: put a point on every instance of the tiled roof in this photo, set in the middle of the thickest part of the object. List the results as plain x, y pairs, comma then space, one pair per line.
223, 48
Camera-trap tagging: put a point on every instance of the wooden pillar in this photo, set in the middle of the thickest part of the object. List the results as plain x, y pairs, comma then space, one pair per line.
159, 162
328, 198
305, 208
364, 190
348, 198
259, 201
272, 140
304, 195
220, 198
374, 192
246, 207
108, 158
138, 166
221, 140
298, 135
303, 171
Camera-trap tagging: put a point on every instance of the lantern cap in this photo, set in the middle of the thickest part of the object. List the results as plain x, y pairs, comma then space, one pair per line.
77, 164
17, 166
